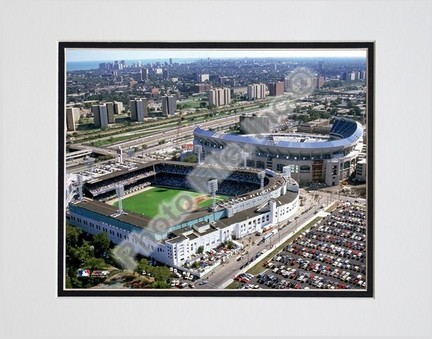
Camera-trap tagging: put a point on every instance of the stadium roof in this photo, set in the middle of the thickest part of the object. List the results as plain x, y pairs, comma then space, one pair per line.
345, 133
253, 211
108, 211
149, 165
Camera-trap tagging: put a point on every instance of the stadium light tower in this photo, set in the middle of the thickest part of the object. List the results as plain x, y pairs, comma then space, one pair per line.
212, 187
80, 187
119, 155
261, 175
244, 157
120, 191
90, 163
130, 153
198, 151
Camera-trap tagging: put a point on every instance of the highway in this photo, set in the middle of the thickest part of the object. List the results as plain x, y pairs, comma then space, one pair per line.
171, 134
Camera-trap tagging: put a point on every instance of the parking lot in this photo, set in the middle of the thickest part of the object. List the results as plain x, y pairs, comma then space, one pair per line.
330, 255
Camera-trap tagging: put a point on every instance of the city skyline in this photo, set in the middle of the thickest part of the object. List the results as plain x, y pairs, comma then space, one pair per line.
87, 55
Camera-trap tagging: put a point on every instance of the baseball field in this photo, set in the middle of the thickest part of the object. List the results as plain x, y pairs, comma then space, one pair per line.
149, 201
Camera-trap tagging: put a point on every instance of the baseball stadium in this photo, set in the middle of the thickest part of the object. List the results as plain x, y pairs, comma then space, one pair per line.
166, 210
325, 159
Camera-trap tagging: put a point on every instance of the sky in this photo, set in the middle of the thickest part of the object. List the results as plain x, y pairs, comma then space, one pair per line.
81, 54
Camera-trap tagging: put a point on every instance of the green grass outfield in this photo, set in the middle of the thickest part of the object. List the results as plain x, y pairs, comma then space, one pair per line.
149, 201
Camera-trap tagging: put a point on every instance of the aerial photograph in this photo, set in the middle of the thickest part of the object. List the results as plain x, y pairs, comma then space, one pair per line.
205, 170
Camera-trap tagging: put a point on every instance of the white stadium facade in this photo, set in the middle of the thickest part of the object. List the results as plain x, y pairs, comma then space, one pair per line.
312, 158
258, 200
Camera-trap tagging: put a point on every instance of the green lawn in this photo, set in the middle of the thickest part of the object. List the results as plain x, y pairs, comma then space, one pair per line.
149, 202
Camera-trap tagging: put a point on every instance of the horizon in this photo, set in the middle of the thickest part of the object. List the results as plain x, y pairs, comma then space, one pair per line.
108, 55
230, 58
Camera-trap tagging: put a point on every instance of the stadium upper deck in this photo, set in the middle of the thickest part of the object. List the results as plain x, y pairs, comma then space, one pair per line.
313, 158
343, 135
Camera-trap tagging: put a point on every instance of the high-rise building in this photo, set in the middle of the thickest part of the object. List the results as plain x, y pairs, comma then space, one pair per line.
276, 88
362, 75
256, 91
100, 114
317, 82
251, 92
166, 74
168, 105
349, 76
227, 96
213, 97
216, 97
72, 116
118, 107
144, 74
203, 77
138, 109
287, 84
219, 96
110, 112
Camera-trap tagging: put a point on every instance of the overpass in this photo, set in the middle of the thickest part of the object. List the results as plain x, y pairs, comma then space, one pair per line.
92, 149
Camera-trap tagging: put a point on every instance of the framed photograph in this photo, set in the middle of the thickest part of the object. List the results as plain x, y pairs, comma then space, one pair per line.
216, 169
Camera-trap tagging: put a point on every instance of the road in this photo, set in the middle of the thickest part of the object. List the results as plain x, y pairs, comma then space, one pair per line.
171, 135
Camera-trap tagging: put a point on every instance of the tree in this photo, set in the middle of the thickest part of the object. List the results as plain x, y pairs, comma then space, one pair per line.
230, 244
200, 249
161, 273
143, 266
94, 263
101, 243
72, 236
191, 158
356, 110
